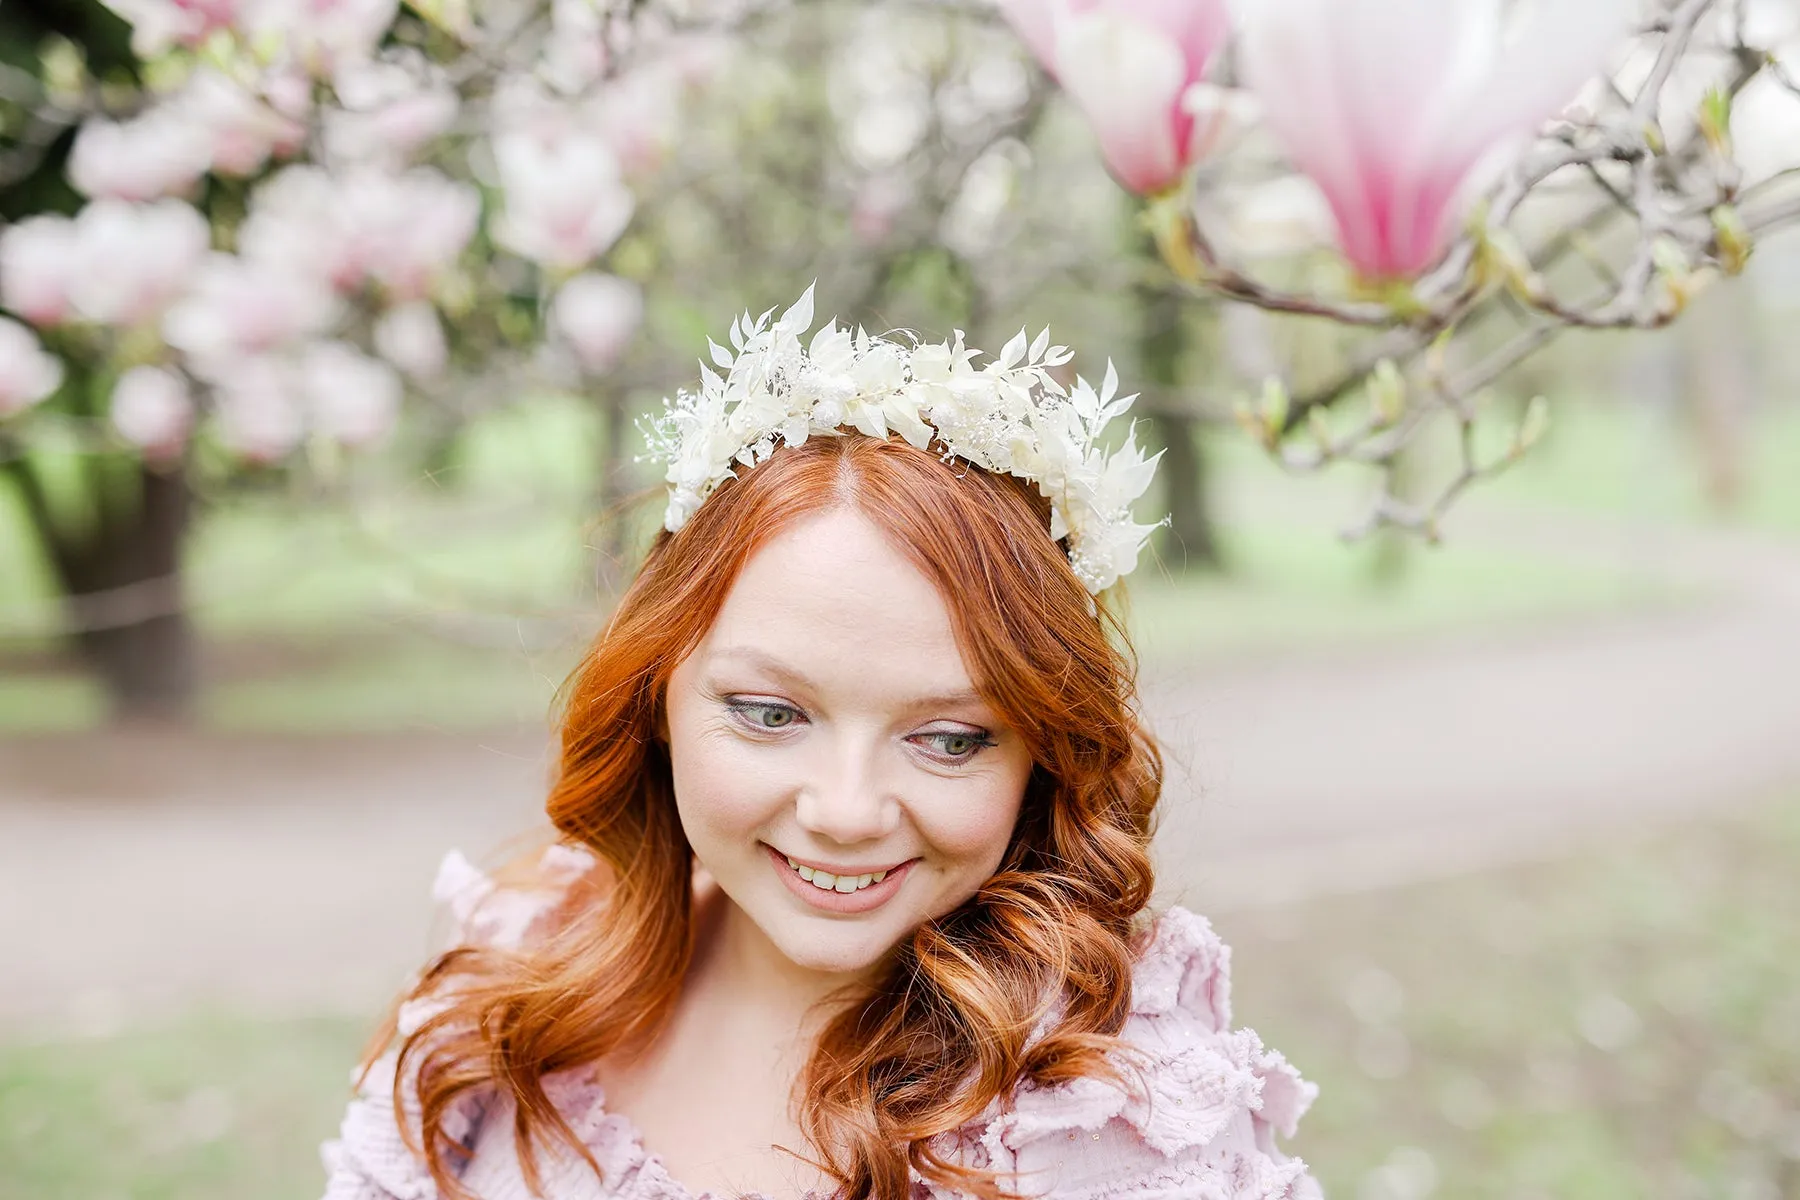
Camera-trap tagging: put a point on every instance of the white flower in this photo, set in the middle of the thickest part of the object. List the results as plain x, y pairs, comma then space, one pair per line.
1008, 416
597, 315
38, 267
133, 260
151, 408
241, 307
159, 153
411, 338
350, 397
259, 408
28, 372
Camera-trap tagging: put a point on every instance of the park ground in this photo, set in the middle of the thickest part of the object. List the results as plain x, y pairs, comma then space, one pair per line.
1506, 849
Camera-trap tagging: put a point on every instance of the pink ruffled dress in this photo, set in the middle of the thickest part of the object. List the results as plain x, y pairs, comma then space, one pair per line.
1201, 1127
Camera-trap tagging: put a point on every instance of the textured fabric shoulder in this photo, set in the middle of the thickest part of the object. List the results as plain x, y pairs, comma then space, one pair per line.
1200, 1111
369, 1159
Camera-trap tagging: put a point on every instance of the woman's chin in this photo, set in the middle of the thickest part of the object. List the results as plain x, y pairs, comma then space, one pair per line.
834, 947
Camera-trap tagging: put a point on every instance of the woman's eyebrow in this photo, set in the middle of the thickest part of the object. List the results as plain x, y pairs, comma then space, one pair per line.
766, 663
780, 671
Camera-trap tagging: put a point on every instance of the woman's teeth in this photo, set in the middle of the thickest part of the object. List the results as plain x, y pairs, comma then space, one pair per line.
825, 881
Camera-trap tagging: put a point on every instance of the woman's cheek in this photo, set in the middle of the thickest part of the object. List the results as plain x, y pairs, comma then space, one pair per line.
967, 824
726, 784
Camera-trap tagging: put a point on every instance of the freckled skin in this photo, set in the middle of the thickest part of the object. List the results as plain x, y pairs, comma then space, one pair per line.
828, 714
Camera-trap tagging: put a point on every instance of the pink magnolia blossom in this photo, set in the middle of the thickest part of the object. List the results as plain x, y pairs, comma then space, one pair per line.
133, 260
350, 397
239, 308
160, 153
597, 315
258, 408
419, 222
322, 36
28, 373
366, 224
1134, 67
1397, 108
242, 130
156, 25
411, 337
389, 109
37, 268
565, 202
152, 409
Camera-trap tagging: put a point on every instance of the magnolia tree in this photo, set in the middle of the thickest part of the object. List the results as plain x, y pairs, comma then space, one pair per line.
262, 224
1462, 181
248, 232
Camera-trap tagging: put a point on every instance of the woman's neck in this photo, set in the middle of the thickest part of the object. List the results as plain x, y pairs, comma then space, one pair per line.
737, 967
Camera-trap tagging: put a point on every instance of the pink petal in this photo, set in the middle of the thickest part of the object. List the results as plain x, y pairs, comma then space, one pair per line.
1128, 80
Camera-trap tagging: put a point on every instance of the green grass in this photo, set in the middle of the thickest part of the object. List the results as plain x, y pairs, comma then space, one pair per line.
1623, 1023
212, 1108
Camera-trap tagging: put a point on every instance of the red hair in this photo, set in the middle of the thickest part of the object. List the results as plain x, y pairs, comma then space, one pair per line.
1030, 979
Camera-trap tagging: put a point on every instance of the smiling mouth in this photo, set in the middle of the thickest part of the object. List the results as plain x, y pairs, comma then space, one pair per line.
825, 881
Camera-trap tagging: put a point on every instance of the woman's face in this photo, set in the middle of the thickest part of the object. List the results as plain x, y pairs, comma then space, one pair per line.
834, 769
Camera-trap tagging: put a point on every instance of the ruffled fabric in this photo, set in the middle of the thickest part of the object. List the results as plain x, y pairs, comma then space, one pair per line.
1197, 1119
369, 1159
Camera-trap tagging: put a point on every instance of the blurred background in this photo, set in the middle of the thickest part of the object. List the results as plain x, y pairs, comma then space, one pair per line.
1505, 831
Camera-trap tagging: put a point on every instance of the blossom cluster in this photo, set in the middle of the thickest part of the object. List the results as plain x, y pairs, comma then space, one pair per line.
362, 238
1397, 110
1010, 415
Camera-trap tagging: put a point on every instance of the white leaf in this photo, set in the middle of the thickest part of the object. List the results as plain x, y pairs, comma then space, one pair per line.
799, 318
1039, 346
1110, 384
720, 355
1013, 352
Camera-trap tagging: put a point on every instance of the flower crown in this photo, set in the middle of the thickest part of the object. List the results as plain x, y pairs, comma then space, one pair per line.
1009, 416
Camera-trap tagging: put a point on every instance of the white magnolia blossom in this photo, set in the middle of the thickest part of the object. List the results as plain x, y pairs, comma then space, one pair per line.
348, 228
37, 268
390, 108
133, 260
597, 315
161, 153
260, 414
153, 408
349, 397
28, 373
1009, 416
242, 130
322, 36
240, 308
411, 337
157, 25
565, 200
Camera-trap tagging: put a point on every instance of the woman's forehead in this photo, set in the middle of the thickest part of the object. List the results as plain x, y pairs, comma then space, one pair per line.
832, 598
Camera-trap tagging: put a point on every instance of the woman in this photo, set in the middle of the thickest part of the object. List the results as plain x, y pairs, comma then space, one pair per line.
855, 810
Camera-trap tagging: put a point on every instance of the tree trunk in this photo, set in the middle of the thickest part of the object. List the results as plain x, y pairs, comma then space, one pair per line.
1163, 340
120, 573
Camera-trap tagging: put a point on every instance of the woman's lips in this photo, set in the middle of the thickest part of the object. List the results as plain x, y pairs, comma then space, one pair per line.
830, 899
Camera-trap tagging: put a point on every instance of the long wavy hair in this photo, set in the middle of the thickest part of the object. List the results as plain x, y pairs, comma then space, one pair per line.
1030, 979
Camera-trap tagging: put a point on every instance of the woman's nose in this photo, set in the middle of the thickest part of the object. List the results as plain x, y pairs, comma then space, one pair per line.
846, 800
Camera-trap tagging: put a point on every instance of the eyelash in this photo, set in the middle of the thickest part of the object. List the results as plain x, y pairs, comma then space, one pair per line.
742, 710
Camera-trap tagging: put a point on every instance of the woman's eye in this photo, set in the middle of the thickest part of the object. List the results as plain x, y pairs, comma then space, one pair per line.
958, 745
765, 716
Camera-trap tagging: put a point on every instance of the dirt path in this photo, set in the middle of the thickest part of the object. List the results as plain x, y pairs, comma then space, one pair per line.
139, 876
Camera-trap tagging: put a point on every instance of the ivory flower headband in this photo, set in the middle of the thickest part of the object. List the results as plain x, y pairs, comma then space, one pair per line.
1009, 416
